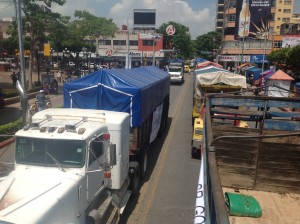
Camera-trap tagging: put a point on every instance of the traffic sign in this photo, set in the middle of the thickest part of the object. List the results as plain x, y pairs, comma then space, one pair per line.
170, 30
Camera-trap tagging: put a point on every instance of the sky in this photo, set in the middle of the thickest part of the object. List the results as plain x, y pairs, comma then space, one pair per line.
198, 15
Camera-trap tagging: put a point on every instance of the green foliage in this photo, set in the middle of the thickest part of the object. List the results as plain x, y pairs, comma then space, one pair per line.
207, 43
181, 40
293, 57
87, 28
278, 56
10, 129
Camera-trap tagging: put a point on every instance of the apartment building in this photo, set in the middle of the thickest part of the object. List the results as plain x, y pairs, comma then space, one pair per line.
261, 22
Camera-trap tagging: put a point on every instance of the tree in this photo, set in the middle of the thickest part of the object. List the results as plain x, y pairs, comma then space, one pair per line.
89, 28
181, 40
207, 45
278, 56
36, 23
293, 57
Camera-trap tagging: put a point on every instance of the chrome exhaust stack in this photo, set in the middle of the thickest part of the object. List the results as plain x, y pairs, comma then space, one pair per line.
24, 103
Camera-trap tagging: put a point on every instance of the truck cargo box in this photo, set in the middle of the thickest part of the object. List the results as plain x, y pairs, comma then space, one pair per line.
137, 91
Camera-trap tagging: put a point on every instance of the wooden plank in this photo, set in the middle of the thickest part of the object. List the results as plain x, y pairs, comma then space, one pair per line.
236, 180
281, 125
292, 103
218, 110
231, 102
284, 114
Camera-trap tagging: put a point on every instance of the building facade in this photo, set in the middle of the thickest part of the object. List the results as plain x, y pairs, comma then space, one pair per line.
250, 29
143, 48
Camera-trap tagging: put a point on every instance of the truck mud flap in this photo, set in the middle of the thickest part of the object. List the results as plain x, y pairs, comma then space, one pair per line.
134, 175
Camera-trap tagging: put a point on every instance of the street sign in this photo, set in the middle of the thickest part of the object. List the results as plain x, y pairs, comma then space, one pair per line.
170, 30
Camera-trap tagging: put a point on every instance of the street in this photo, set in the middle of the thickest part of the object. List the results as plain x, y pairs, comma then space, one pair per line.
168, 192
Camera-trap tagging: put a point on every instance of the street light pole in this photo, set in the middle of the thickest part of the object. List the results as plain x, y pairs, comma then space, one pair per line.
153, 59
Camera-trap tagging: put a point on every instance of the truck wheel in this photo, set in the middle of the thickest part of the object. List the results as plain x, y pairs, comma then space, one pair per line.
134, 179
143, 160
195, 153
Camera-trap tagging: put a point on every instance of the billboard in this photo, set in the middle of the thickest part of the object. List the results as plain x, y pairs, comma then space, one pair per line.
252, 18
144, 18
290, 41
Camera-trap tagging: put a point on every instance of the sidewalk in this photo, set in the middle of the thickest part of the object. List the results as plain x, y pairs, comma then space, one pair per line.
6, 83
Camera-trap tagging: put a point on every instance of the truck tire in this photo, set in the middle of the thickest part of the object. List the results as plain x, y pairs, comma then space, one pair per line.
134, 175
195, 153
143, 161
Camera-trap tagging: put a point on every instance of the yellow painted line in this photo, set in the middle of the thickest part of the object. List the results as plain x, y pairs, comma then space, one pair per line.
165, 150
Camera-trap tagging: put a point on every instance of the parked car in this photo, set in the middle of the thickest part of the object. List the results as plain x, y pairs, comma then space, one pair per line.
71, 64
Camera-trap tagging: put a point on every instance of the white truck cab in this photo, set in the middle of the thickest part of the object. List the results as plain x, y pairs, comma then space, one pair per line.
177, 74
70, 166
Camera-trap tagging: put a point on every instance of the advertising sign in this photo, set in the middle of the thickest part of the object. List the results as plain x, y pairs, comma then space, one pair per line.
252, 18
290, 41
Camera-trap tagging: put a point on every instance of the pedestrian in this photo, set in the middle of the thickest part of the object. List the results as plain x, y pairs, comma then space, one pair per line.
41, 100
54, 87
58, 76
14, 78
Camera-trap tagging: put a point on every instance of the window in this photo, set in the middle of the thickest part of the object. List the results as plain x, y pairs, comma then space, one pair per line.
278, 19
277, 44
104, 42
287, 20
231, 17
149, 43
279, 10
119, 42
272, 17
287, 2
286, 11
50, 152
96, 150
133, 42
231, 3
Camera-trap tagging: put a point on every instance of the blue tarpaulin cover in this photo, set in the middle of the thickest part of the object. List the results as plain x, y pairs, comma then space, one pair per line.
137, 91
255, 71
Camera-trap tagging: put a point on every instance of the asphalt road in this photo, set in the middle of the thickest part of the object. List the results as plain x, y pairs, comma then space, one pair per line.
168, 192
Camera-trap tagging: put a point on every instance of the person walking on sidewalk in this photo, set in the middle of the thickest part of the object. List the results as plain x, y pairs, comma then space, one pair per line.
58, 76
14, 78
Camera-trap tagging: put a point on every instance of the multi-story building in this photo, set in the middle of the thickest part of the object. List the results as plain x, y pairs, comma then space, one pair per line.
260, 32
142, 48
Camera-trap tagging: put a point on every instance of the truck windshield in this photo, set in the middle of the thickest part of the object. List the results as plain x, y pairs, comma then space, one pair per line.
174, 69
34, 151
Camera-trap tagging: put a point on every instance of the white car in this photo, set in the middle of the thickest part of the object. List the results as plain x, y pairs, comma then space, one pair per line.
71, 63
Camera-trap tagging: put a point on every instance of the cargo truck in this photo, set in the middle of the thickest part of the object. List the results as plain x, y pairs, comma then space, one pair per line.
75, 165
261, 161
210, 80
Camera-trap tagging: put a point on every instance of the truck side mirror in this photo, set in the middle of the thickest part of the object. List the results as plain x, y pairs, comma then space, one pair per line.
113, 155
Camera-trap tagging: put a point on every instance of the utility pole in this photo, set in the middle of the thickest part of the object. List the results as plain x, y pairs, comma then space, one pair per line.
24, 101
